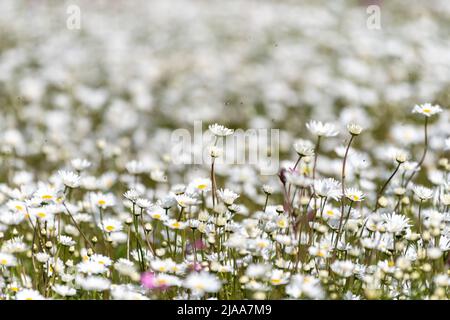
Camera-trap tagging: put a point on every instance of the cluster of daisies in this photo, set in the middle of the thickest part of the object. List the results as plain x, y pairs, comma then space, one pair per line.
94, 203
351, 236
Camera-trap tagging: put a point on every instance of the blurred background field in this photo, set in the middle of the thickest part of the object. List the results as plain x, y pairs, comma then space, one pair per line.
113, 91
137, 69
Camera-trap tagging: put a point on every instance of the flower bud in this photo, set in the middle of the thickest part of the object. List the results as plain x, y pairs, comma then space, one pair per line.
354, 129
148, 227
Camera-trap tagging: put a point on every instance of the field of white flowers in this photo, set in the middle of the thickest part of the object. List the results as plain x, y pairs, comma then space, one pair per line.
95, 203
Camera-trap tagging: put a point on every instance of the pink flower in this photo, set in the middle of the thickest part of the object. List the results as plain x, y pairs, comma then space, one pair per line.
148, 280
195, 267
198, 245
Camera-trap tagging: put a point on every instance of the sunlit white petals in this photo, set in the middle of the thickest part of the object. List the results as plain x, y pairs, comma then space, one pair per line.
423, 193
70, 179
321, 129
111, 225
220, 130
427, 109
200, 283
227, 196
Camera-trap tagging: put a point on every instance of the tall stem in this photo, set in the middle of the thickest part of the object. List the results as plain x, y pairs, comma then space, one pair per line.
314, 175
213, 183
425, 149
298, 161
341, 220
213, 176
419, 217
265, 203
380, 193
293, 169
344, 163
315, 160
78, 227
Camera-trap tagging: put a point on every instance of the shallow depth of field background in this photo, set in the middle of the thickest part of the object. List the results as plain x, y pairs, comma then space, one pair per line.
136, 68
115, 89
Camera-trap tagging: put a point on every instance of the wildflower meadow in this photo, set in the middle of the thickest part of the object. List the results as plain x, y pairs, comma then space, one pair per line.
190, 150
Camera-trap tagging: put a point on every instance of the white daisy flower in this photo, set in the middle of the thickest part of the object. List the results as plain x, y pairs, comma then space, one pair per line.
66, 241
29, 294
93, 283
354, 129
132, 195
136, 167
321, 129
103, 200
304, 286
427, 109
200, 184
202, 282
278, 277
343, 268
7, 260
219, 130
91, 267
101, 259
64, 290
304, 148
185, 200
111, 225
354, 195
69, 179
80, 164
227, 196
46, 194
157, 213
423, 193
395, 223
328, 188
175, 224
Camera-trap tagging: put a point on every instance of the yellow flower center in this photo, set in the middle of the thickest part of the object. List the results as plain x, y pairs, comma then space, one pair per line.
157, 216
276, 281
199, 286
426, 110
355, 198
330, 212
3, 262
202, 186
110, 228
391, 263
176, 224
41, 214
101, 202
18, 207
162, 282
47, 197
282, 223
262, 245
